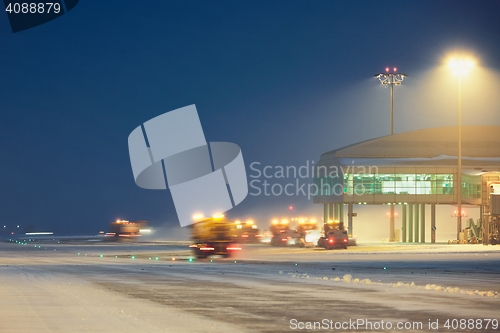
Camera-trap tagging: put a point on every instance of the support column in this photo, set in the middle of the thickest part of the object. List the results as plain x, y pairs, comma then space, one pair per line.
391, 224
341, 212
417, 206
349, 218
403, 223
410, 223
330, 212
422, 223
336, 212
485, 223
433, 223
325, 214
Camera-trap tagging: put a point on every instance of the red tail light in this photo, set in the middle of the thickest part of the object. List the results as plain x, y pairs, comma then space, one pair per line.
284, 239
244, 236
233, 248
345, 240
330, 240
207, 248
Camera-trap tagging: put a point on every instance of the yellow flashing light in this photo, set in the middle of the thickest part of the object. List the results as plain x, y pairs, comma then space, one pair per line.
197, 216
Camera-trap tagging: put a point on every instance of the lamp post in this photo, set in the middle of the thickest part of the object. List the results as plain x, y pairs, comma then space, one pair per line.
460, 67
391, 79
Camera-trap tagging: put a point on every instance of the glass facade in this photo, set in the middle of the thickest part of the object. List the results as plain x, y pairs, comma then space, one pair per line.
397, 184
471, 186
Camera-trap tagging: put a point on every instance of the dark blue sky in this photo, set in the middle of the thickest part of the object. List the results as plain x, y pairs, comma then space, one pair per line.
285, 80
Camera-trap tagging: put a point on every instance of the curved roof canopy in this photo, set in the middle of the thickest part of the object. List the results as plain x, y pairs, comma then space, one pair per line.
431, 146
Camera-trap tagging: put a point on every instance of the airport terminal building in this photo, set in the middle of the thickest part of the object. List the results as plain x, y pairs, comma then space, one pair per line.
413, 170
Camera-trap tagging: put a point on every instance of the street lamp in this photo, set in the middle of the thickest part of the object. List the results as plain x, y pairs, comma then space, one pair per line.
391, 79
460, 67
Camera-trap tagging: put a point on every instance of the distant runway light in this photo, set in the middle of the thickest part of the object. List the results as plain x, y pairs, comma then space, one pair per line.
40, 233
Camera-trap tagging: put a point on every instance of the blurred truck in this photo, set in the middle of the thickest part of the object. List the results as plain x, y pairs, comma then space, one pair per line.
121, 230
282, 235
246, 232
307, 233
213, 236
335, 236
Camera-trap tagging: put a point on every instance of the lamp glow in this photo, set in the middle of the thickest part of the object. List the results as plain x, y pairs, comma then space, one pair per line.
461, 66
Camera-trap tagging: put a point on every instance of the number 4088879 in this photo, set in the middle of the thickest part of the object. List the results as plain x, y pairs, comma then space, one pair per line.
33, 8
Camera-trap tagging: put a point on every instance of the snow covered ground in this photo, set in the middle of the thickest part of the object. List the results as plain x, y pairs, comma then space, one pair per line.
78, 287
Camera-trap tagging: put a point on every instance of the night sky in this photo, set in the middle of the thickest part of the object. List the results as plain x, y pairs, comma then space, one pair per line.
285, 80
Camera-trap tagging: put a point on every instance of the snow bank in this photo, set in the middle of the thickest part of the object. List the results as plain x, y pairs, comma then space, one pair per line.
348, 278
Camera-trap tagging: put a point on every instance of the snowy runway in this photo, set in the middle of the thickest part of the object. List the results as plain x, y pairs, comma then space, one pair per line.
74, 289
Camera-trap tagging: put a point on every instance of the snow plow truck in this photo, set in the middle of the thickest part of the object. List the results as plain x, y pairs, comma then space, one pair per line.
213, 236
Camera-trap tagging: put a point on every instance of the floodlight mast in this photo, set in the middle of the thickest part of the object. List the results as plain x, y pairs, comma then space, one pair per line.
391, 79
